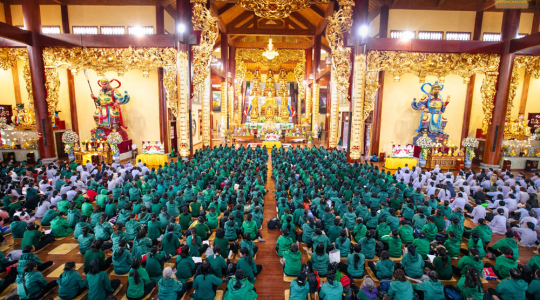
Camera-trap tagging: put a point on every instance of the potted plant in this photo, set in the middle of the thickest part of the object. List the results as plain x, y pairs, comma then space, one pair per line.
469, 143
70, 138
425, 143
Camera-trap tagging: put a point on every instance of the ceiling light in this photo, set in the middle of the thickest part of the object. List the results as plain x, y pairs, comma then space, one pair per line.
270, 52
363, 31
181, 28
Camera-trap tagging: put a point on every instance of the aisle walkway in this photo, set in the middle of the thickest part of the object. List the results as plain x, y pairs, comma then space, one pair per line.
270, 284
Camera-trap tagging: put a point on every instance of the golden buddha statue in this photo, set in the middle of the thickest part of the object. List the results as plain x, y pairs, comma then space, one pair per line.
255, 93
270, 81
269, 106
284, 110
517, 129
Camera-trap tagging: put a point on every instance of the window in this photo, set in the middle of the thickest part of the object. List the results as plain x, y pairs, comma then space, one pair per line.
141, 30
520, 35
50, 29
430, 35
113, 30
458, 36
402, 34
491, 37
85, 29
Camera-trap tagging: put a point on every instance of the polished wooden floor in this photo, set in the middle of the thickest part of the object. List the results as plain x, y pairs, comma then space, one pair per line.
270, 283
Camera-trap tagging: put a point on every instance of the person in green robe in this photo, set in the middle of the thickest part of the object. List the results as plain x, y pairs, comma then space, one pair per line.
95, 253
121, 258
293, 261
185, 266
394, 243
31, 282
78, 228
355, 263
422, 245
132, 227
168, 287
70, 282
87, 207
85, 240
218, 265
432, 289
205, 284
17, 227
60, 227
332, 288
155, 261
470, 285
413, 263
170, 242
513, 288
36, 238
400, 288
49, 216
503, 264
223, 242
73, 215
141, 243
240, 287
384, 269
533, 292
452, 245
98, 282
471, 261
320, 260
139, 284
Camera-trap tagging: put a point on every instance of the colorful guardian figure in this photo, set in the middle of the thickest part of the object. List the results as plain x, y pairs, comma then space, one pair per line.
432, 106
108, 113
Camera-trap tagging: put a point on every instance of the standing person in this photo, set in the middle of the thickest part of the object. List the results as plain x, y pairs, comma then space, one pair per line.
99, 284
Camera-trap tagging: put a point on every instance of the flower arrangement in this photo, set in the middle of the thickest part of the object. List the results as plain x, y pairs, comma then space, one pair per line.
228, 136
3, 122
425, 143
69, 138
261, 119
114, 139
537, 133
470, 143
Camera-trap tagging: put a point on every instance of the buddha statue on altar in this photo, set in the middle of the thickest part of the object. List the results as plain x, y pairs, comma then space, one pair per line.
517, 129
284, 110
269, 106
255, 93
270, 82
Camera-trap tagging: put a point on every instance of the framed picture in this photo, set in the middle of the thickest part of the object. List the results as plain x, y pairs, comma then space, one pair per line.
216, 101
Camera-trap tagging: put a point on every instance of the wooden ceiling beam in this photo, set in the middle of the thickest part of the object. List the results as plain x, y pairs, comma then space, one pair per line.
317, 10
279, 45
246, 14
171, 11
441, 46
322, 25
105, 41
96, 2
214, 12
15, 34
225, 8
488, 4
267, 31
440, 3
524, 43
304, 21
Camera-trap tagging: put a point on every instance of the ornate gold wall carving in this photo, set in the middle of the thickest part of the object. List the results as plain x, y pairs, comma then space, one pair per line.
439, 65
531, 64
315, 124
102, 60
338, 24
358, 119
255, 55
308, 103
202, 56
224, 106
182, 121
8, 59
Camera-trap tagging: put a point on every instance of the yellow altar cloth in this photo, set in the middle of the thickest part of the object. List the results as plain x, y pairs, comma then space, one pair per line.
269, 145
87, 157
393, 163
152, 159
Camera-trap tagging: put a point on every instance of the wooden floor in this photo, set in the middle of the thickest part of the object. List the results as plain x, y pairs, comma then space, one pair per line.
270, 283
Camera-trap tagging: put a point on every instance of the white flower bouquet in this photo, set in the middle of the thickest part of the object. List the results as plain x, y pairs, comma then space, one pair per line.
470, 142
70, 138
114, 139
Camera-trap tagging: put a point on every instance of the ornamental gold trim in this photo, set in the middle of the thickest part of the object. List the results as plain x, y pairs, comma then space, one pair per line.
102, 60
276, 9
8, 59
439, 65
339, 24
531, 64
358, 116
182, 123
224, 104
315, 123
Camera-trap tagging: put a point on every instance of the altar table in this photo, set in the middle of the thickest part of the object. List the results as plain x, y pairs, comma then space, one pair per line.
269, 145
393, 163
152, 159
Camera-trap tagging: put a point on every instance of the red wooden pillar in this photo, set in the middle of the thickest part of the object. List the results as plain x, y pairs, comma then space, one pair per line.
32, 22
317, 40
225, 64
494, 136
162, 96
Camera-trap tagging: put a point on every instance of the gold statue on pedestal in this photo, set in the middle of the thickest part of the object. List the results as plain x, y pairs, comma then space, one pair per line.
517, 129
269, 106
270, 82
255, 93
284, 94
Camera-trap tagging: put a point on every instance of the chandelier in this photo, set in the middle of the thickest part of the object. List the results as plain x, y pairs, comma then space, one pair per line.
270, 52
274, 9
